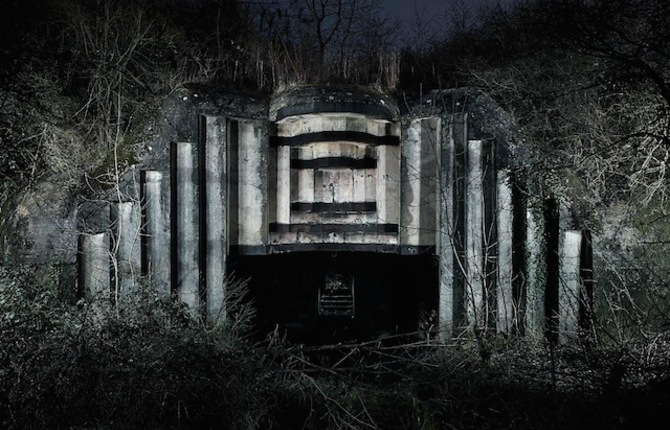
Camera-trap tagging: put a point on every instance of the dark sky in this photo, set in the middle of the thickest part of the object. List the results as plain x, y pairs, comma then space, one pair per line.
437, 18
406, 10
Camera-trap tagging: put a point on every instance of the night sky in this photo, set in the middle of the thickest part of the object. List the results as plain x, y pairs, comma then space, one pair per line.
405, 9
436, 17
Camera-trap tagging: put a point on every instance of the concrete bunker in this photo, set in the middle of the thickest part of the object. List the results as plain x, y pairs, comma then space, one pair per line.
351, 217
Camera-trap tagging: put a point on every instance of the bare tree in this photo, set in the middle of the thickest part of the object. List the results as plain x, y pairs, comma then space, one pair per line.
319, 40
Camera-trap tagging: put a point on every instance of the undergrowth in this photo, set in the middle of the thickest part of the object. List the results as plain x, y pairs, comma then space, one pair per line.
152, 365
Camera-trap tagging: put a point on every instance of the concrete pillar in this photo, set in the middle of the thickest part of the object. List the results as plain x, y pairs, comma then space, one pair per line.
411, 184
419, 182
284, 185
445, 245
587, 282
186, 194
519, 259
94, 266
569, 285
534, 312
215, 147
431, 180
458, 234
504, 291
475, 300
127, 225
252, 159
157, 231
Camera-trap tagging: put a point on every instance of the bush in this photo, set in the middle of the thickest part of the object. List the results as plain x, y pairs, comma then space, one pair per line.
150, 365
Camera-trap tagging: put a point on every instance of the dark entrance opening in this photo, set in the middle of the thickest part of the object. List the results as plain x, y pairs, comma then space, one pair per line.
324, 297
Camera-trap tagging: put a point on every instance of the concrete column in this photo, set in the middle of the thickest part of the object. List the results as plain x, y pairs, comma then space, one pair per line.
186, 224
127, 224
474, 290
445, 246
587, 282
504, 214
458, 233
431, 180
252, 186
569, 285
157, 228
420, 179
411, 185
534, 312
94, 266
215, 147
284, 185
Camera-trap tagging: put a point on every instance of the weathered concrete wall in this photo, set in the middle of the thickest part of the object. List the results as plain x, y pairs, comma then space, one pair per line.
332, 171
41, 228
326, 169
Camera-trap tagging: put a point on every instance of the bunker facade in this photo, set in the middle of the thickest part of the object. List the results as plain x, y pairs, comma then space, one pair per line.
351, 217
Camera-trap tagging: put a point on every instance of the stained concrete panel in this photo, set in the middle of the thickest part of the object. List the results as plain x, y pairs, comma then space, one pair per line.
569, 285
284, 185
126, 222
216, 201
94, 266
445, 248
504, 214
430, 136
419, 183
411, 185
475, 300
187, 212
535, 275
157, 230
252, 168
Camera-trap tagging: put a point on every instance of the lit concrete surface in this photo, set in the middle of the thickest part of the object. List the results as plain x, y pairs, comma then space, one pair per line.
94, 266
419, 183
474, 289
535, 275
252, 185
413, 185
445, 223
284, 185
188, 276
157, 229
504, 214
569, 285
127, 226
215, 147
